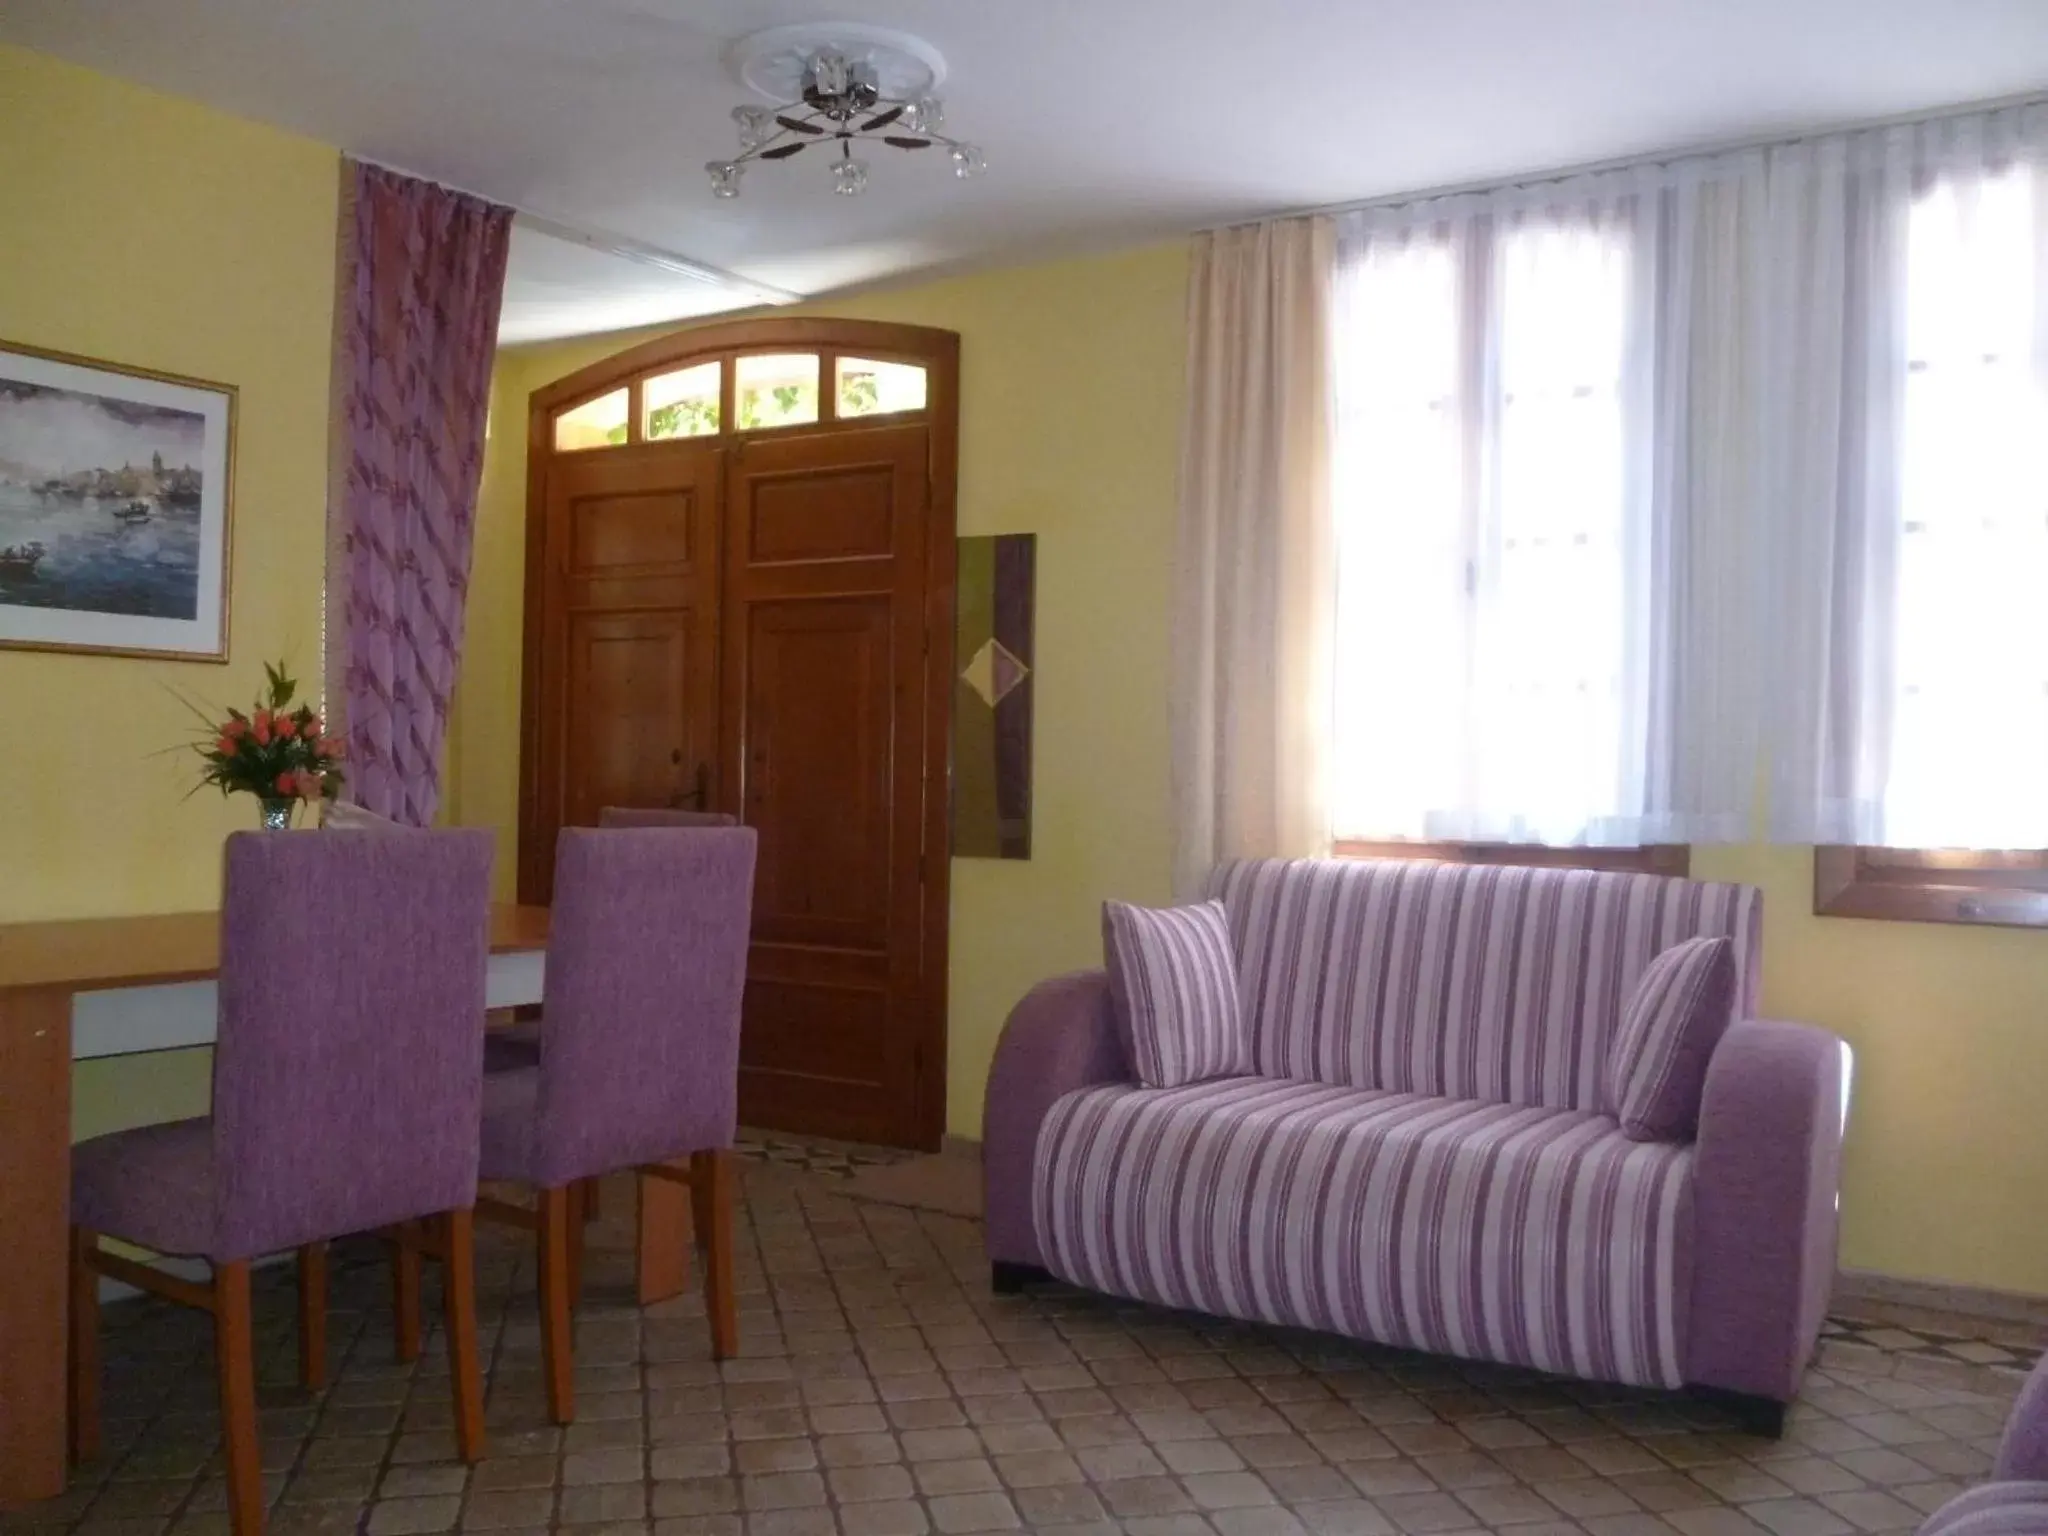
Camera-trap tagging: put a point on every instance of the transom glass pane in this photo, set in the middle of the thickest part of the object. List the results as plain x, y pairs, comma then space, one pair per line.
682, 404
867, 387
598, 423
776, 389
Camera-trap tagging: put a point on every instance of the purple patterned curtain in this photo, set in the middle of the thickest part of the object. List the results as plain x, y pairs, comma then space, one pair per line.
422, 272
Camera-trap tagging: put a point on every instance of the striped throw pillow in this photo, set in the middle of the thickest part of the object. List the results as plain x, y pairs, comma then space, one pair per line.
1175, 989
1657, 1068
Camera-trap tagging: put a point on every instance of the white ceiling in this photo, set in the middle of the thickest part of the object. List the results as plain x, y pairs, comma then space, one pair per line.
1104, 121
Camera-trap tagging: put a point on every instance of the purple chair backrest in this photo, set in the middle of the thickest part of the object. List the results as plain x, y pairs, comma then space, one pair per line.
635, 816
647, 963
347, 1081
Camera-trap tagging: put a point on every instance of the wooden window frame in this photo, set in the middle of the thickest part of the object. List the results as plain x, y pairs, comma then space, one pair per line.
1913, 885
1673, 859
631, 370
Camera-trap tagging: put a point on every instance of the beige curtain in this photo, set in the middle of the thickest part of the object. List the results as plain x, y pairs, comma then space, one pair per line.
1255, 552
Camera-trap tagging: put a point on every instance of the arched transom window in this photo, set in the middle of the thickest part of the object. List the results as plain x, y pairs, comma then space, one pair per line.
742, 391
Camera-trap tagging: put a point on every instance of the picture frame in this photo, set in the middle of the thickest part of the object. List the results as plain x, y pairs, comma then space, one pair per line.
995, 615
116, 508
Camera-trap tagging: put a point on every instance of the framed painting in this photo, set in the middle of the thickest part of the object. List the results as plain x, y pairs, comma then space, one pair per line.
115, 502
994, 602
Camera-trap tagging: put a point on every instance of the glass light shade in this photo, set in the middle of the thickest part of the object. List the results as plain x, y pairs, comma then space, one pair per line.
967, 161
756, 125
924, 115
725, 177
849, 177
830, 74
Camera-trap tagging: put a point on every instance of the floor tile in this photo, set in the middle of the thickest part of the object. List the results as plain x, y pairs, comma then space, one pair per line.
881, 1389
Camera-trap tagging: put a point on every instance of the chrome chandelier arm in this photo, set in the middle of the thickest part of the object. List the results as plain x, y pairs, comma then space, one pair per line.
845, 116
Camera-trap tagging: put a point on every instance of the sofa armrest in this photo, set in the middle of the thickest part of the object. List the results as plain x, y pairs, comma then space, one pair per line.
2023, 1453
1061, 1037
1766, 1174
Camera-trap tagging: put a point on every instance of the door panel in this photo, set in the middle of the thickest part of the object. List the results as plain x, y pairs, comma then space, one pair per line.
629, 686
817, 769
838, 514
629, 669
822, 726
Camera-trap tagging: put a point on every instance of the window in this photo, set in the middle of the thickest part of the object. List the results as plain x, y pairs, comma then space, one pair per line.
599, 423
778, 389
683, 403
1961, 739
865, 387
1490, 600
1970, 674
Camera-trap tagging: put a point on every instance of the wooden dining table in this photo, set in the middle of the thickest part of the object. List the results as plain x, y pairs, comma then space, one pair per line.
118, 986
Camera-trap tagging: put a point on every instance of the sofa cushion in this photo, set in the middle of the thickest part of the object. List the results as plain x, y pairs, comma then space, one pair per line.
1475, 982
1992, 1509
1529, 1236
1175, 990
1657, 1069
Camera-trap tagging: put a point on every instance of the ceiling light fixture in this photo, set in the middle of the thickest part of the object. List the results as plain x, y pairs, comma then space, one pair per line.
837, 87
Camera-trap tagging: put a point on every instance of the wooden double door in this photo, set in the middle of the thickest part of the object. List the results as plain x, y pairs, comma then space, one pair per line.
760, 624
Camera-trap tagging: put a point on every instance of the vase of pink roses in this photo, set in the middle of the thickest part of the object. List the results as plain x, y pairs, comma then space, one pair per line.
278, 753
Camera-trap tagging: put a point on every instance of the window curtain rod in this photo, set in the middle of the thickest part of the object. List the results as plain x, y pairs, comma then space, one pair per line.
625, 247
1656, 159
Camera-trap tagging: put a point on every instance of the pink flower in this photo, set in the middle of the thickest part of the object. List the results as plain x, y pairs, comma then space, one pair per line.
261, 729
286, 727
234, 730
287, 784
226, 745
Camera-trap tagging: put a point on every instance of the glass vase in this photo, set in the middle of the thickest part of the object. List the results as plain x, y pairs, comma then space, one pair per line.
277, 815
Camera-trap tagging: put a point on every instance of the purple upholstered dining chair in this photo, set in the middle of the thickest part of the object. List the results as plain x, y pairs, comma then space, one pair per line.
347, 1084
518, 1044
639, 1059
619, 816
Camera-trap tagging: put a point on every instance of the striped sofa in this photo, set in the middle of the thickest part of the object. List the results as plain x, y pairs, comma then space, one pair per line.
1425, 1157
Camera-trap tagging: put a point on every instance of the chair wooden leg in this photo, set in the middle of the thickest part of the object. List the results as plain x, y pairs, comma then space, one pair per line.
711, 1211
405, 1290
558, 1366
235, 1347
700, 1199
82, 1349
593, 1199
661, 1246
313, 1316
458, 1295
577, 1194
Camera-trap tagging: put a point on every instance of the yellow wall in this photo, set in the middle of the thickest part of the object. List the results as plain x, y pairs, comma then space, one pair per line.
150, 231
1070, 419
1948, 1140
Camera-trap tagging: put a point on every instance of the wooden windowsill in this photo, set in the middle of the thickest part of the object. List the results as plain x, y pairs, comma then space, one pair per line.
1652, 859
2007, 890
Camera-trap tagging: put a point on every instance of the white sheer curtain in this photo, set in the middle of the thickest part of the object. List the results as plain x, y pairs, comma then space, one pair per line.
1540, 574
1254, 571
1904, 425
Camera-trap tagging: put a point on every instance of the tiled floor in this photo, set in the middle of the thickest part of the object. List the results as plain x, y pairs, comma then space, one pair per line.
832, 1159
883, 1391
